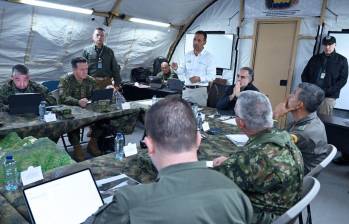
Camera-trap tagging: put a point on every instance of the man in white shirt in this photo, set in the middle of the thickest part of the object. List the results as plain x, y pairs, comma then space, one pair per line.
198, 70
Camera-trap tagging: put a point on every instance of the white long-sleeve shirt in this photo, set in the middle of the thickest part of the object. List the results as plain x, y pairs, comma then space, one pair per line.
201, 65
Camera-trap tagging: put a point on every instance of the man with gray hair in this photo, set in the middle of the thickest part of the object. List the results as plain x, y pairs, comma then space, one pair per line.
269, 168
186, 191
307, 129
243, 83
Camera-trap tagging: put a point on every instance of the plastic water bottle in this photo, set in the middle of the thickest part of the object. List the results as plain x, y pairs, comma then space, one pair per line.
11, 174
119, 146
119, 100
153, 100
42, 110
199, 121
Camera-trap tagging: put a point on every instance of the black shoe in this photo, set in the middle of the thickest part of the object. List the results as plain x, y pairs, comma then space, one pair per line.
341, 161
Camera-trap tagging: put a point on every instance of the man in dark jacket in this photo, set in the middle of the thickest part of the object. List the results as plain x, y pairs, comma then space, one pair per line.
329, 71
244, 82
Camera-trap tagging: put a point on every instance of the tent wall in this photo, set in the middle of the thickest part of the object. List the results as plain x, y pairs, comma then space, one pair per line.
46, 39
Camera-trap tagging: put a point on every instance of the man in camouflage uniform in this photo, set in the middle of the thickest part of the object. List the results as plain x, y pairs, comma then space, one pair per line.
20, 83
186, 190
102, 65
166, 72
307, 130
76, 89
269, 168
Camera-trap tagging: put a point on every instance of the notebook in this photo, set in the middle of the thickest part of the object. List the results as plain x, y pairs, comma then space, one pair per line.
70, 199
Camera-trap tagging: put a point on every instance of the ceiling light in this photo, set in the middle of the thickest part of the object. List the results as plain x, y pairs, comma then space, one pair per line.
54, 6
149, 22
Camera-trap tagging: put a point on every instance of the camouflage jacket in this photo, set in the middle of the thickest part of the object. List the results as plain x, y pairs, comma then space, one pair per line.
71, 90
269, 169
311, 140
164, 77
110, 67
9, 89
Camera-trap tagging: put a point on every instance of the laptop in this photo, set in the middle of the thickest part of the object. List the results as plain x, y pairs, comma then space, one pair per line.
70, 199
175, 84
102, 94
24, 103
155, 82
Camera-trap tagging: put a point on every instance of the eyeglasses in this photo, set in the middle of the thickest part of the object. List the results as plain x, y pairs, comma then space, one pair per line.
242, 77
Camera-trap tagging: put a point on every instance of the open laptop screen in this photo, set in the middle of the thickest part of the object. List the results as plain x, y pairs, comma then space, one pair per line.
69, 199
102, 94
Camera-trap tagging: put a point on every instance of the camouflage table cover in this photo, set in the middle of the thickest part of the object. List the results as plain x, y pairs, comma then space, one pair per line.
29, 125
138, 167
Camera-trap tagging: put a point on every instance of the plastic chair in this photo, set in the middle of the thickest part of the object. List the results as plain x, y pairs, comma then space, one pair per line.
316, 171
51, 85
311, 188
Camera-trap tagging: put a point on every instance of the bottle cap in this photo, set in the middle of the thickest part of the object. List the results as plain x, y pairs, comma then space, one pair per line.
9, 157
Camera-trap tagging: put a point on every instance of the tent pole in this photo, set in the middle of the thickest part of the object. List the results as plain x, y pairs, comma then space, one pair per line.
113, 12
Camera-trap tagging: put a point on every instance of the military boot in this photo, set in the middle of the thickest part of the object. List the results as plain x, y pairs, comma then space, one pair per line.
78, 153
92, 147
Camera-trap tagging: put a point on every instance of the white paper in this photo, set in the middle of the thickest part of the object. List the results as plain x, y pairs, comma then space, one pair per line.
126, 106
50, 117
205, 126
31, 175
130, 149
230, 121
209, 164
146, 102
238, 139
108, 200
109, 179
224, 117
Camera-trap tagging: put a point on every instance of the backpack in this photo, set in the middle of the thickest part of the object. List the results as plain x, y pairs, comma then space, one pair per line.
140, 74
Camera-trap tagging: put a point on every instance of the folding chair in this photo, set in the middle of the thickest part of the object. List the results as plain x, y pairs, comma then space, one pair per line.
311, 188
316, 171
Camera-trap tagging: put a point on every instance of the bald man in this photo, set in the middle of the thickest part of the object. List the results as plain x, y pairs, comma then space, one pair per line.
166, 72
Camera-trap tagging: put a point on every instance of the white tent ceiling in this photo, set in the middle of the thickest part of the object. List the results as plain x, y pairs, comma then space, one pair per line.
46, 39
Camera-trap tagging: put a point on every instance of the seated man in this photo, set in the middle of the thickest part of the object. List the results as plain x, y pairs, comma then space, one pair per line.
308, 129
20, 83
269, 168
166, 72
244, 82
186, 191
76, 89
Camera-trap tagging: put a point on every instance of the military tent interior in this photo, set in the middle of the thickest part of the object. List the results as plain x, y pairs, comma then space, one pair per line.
46, 39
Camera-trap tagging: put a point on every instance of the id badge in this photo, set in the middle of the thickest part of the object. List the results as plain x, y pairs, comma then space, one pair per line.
322, 76
99, 65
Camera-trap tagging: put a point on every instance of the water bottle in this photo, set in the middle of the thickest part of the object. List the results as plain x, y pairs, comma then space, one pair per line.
119, 101
11, 174
199, 121
42, 110
119, 143
195, 109
153, 100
